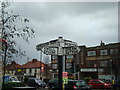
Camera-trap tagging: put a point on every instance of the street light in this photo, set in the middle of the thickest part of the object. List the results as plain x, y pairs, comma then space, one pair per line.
59, 47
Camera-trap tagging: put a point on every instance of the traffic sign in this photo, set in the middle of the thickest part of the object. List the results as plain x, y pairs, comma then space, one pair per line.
65, 74
65, 77
65, 80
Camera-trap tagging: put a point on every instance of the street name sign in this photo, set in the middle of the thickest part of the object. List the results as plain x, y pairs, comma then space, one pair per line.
59, 47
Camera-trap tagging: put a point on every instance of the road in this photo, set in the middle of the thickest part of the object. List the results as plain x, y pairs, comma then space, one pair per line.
92, 89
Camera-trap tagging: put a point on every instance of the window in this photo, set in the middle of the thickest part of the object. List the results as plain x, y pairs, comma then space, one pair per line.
95, 82
30, 70
68, 65
54, 57
54, 61
113, 51
103, 63
35, 70
103, 52
91, 53
54, 66
69, 56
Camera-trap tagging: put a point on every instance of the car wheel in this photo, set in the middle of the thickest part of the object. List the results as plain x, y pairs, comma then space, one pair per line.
49, 87
117, 88
53, 87
37, 86
90, 86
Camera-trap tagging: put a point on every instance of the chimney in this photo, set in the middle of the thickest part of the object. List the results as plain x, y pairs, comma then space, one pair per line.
102, 43
34, 60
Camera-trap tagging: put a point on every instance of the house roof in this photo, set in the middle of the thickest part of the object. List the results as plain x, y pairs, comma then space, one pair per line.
13, 65
33, 64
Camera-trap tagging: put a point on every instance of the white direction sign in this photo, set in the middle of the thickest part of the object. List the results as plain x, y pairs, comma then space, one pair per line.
59, 47
50, 50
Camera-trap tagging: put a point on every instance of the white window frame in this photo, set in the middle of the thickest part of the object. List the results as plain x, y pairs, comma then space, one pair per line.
54, 57
54, 66
104, 52
91, 53
111, 51
68, 65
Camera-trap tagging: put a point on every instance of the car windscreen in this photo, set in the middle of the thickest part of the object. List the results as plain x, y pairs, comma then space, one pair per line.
13, 79
102, 82
81, 83
38, 81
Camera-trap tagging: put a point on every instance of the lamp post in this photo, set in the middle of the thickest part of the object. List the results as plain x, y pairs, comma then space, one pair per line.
59, 47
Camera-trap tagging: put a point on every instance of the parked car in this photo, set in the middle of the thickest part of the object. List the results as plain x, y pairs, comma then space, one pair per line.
81, 85
77, 85
13, 79
99, 84
34, 82
71, 84
52, 84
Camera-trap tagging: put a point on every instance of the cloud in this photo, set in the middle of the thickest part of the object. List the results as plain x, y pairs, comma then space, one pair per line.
86, 23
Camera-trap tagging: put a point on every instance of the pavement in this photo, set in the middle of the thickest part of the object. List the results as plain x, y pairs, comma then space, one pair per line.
49, 89
46, 88
42, 88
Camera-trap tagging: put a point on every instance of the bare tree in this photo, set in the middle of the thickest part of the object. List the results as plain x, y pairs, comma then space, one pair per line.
9, 30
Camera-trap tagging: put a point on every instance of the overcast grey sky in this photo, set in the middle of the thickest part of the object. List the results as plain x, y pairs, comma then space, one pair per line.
86, 23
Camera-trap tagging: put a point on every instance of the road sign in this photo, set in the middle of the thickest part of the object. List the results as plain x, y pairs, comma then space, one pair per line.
65, 80
65, 74
65, 77
59, 47
50, 50
71, 50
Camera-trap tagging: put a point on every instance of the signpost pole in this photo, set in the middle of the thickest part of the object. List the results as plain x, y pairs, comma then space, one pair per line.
60, 68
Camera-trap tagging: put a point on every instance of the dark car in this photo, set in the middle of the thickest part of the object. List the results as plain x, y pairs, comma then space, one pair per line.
71, 84
77, 85
52, 84
34, 82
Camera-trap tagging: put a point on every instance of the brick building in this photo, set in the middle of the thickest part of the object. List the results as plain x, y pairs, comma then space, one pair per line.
68, 65
97, 62
100, 61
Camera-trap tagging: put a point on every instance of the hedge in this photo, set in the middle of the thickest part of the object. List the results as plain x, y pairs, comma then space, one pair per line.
13, 84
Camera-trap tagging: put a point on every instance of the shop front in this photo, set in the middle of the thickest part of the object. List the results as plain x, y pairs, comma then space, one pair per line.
89, 72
